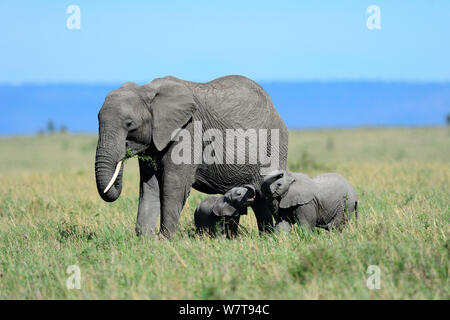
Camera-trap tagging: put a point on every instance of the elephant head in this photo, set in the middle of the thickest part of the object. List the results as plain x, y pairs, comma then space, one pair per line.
276, 184
291, 189
234, 201
136, 118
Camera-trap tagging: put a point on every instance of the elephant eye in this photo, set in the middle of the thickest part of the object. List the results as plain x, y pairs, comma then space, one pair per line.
130, 125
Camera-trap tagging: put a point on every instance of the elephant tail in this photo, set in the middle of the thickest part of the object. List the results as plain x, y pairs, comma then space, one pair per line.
356, 212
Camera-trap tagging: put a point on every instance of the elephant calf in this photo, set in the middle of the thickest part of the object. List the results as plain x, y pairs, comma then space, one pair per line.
324, 201
224, 212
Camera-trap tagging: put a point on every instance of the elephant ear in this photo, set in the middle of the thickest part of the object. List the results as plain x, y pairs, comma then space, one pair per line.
171, 105
300, 192
222, 208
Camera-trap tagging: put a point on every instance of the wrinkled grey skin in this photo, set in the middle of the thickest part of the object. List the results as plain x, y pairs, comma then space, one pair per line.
325, 201
224, 212
143, 118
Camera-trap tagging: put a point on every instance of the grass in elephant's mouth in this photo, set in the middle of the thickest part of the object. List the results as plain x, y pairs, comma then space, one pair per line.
51, 217
149, 159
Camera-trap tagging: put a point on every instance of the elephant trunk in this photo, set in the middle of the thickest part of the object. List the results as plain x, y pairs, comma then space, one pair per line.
272, 177
109, 168
269, 179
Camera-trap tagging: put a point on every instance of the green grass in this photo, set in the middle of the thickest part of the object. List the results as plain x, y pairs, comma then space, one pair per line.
51, 217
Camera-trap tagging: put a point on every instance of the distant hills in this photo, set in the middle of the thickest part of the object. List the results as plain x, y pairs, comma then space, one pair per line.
27, 108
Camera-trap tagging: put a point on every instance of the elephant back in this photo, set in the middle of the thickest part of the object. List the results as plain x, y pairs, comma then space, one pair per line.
237, 100
336, 196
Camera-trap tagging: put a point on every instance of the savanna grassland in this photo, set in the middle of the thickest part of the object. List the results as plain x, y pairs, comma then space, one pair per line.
51, 217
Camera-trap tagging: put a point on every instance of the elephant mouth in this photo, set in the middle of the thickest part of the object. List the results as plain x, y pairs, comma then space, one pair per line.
277, 195
134, 148
250, 195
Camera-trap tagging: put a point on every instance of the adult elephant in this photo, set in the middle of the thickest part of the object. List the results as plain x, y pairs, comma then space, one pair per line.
144, 120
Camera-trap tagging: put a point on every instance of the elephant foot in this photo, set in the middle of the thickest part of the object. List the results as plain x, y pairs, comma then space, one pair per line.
283, 227
167, 233
145, 232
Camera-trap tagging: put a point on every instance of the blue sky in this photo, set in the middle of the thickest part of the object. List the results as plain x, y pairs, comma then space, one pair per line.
200, 40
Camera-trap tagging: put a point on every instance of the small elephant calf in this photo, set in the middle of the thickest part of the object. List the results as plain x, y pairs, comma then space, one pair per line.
224, 212
324, 201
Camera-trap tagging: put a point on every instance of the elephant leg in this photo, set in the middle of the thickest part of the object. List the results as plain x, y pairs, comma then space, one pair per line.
177, 182
149, 205
231, 227
342, 216
307, 215
339, 221
263, 215
282, 226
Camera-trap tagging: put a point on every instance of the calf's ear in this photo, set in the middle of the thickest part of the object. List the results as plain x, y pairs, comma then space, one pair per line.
299, 193
222, 208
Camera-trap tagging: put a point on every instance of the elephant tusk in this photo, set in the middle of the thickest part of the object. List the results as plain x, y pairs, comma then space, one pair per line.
114, 177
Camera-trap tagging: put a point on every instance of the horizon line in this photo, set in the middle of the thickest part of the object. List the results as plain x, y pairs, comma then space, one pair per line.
311, 128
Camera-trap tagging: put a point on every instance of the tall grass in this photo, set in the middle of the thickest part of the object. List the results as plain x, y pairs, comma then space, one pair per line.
51, 217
